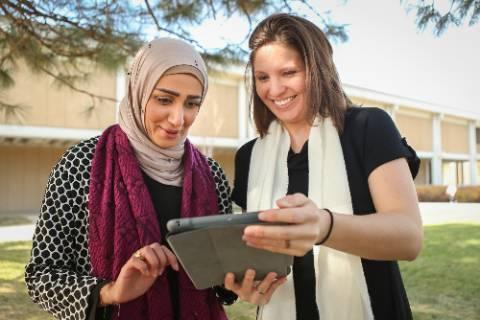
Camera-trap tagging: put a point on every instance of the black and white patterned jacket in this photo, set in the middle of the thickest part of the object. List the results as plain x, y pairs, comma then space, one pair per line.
58, 274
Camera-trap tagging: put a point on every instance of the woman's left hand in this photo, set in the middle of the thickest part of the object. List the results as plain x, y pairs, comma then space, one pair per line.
256, 292
307, 225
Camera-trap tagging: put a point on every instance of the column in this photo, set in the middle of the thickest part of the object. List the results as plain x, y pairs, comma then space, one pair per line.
437, 148
472, 143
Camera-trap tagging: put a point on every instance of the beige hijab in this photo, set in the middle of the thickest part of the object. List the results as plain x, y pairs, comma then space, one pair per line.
157, 58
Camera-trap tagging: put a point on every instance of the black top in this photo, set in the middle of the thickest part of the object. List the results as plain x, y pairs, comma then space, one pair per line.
369, 140
167, 200
303, 267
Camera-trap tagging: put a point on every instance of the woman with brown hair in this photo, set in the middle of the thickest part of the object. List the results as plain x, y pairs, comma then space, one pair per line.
339, 175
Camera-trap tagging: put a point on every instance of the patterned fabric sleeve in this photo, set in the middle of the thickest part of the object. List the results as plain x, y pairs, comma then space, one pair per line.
58, 273
222, 186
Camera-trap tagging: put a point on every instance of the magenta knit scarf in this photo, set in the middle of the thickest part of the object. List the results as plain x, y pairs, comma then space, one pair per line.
122, 219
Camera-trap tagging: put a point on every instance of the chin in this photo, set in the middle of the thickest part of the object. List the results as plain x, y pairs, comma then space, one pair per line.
165, 143
287, 118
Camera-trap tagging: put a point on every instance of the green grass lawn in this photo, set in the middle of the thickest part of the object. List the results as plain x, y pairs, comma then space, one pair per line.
14, 302
443, 283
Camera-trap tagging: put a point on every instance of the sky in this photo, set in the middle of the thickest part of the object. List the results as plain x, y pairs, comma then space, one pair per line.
387, 53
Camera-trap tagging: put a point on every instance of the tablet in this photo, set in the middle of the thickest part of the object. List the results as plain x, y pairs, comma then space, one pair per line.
209, 247
187, 224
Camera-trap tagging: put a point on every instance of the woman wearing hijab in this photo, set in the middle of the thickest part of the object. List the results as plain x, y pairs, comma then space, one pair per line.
99, 247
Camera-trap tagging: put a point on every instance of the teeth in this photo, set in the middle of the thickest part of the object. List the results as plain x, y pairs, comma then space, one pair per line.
283, 101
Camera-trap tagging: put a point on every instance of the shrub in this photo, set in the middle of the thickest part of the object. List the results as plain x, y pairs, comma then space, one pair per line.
468, 194
431, 193
434, 193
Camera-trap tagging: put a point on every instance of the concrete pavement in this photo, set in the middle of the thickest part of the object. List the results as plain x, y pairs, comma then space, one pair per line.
17, 233
441, 212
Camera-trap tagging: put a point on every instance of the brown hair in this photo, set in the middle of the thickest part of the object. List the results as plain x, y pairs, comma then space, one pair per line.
324, 92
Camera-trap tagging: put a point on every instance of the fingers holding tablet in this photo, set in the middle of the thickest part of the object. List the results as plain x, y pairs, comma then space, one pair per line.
257, 292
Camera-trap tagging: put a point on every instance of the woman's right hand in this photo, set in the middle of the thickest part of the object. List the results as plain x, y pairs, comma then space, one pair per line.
138, 274
256, 292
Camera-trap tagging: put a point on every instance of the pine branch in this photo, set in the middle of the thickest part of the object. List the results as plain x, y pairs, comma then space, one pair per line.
74, 88
11, 111
53, 34
159, 28
427, 14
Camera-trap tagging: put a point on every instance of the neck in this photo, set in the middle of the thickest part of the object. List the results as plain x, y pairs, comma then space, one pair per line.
298, 136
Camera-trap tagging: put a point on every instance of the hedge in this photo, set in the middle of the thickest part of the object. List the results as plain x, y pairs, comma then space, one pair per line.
435, 193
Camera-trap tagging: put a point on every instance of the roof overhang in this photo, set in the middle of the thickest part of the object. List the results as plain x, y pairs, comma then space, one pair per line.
63, 137
387, 98
44, 136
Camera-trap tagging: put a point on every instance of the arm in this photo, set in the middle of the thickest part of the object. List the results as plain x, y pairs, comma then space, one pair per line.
394, 232
57, 275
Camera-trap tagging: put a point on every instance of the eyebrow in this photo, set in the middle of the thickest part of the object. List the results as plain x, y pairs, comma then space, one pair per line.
288, 67
176, 94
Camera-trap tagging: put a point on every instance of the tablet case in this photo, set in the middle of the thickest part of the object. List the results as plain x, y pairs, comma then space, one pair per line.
207, 255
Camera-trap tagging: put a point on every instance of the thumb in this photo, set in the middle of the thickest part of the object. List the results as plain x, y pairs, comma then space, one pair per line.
291, 201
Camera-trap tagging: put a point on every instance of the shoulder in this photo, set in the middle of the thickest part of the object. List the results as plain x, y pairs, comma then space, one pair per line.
364, 116
242, 159
245, 151
369, 123
76, 162
247, 146
376, 139
221, 185
217, 172
82, 150
215, 167
242, 168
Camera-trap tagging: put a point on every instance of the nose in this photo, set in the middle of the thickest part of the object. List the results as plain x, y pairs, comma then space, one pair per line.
276, 88
176, 116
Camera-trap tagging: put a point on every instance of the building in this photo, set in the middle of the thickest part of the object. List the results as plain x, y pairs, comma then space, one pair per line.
53, 118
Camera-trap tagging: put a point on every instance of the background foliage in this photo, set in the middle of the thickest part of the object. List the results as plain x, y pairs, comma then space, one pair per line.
58, 37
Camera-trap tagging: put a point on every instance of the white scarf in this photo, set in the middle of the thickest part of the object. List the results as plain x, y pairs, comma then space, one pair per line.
341, 290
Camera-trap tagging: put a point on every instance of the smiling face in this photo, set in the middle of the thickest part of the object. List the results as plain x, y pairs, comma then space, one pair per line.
172, 108
280, 78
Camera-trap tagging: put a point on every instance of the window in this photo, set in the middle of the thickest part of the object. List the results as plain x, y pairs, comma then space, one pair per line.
456, 172
424, 175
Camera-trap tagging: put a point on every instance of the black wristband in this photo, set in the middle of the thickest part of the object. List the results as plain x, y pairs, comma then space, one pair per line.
329, 228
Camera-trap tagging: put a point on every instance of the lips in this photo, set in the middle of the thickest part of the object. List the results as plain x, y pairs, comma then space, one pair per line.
171, 134
171, 131
284, 102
